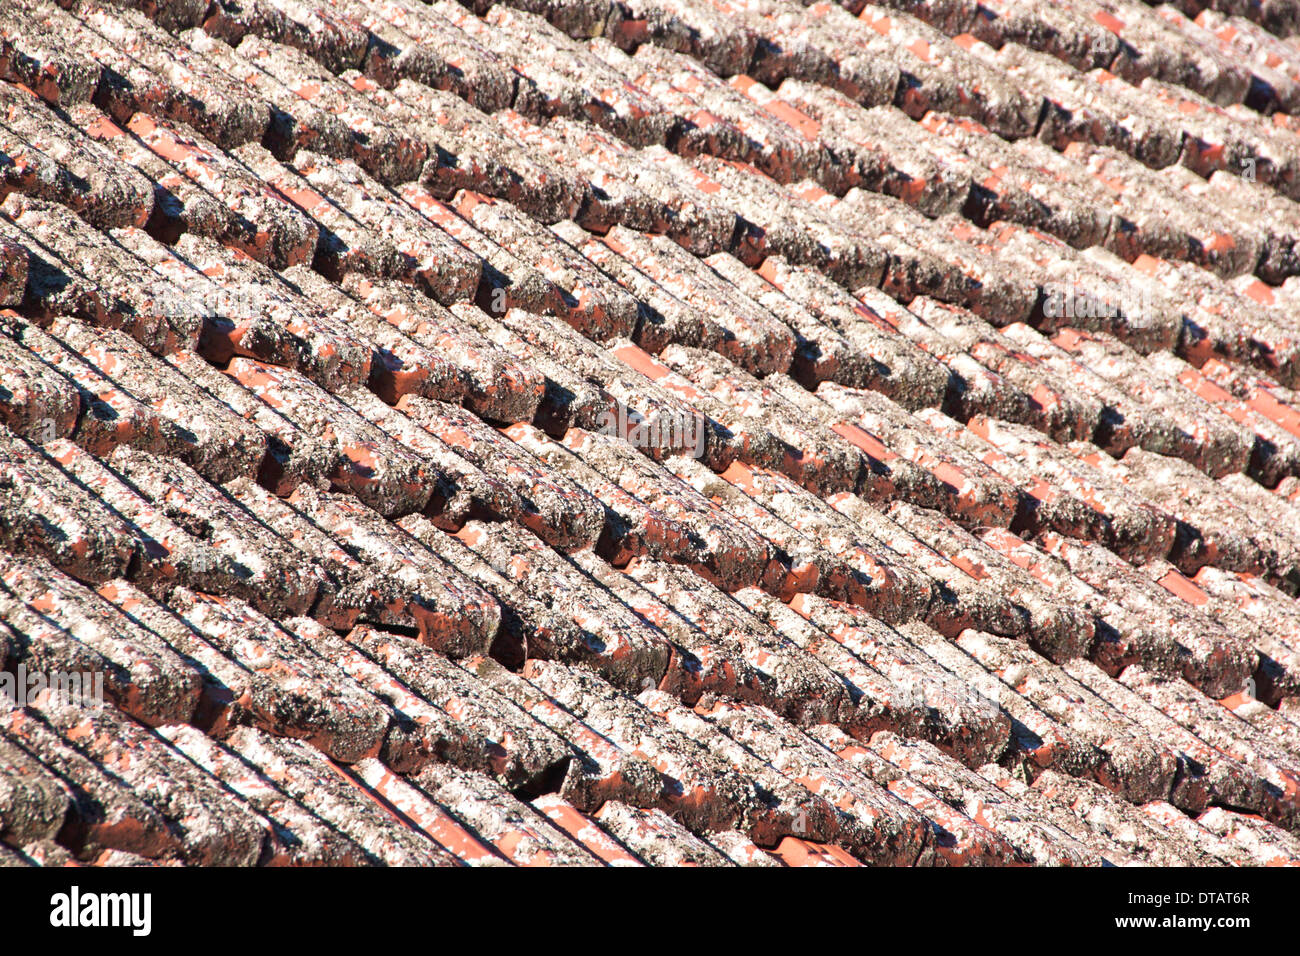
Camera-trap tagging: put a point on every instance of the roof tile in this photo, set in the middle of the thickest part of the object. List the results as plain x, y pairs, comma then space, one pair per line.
49, 158
474, 72
62, 627
339, 799
369, 137
876, 826
298, 837
414, 587
440, 506
327, 35
213, 826
35, 53
105, 812
721, 43
124, 293
458, 718
432, 818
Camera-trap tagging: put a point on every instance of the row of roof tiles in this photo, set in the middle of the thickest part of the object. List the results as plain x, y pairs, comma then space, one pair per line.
271, 350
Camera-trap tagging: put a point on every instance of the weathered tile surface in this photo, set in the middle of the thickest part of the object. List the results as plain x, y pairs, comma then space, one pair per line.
649, 432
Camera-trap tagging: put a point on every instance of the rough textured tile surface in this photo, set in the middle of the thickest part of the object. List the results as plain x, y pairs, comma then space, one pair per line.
649, 433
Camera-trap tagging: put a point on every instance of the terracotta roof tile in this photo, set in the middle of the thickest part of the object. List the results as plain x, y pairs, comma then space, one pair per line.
873, 326
1041, 504
108, 415
1013, 185
622, 646
742, 331
699, 787
1065, 31
1264, 845
730, 553
585, 18
164, 552
594, 305
288, 687
957, 839
552, 505
881, 147
514, 829
263, 224
105, 812
60, 625
297, 837
447, 270
345, 244
605, 771
629, 527
1089, 106
698, 664
1243, 544
339, 799
339, 575
874, 825
382, 147
415, 588
35, 801
657, 837
1155, 47
35, 53
569, 399
722, 43
1267, 609
1220, 850
177, 203
1222, 729
939, 74
472, 71
40, 402
477, 153
1130, 525
144, 69
952, 717
212, 826
1271, 60
1204, 773
1133, 766
1266, 720
124, 293
272, 575
792, 807
739, 433
14, 265
1212, 657
1037, 739
254, 315
51, 159
917, 258
789, 561
796, 683
680, 84
476, 728
432, 818
608, 196
700, 220
337, 40
968, 488
572, 79
496, 386
1056, 630
812, 454
871, 570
